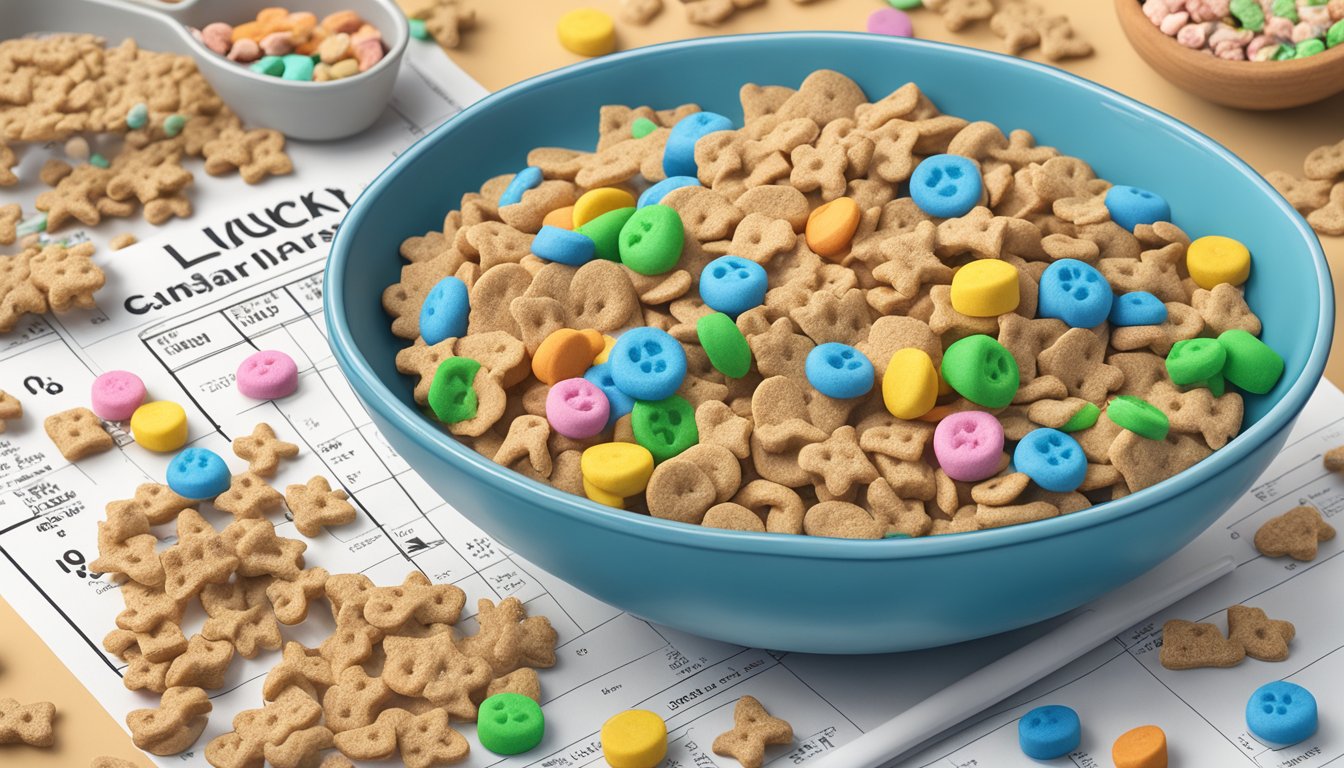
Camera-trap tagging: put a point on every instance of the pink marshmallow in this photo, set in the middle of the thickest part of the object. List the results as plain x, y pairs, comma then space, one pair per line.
268, 375
116, 394
969, 445
1173, 23
577, 408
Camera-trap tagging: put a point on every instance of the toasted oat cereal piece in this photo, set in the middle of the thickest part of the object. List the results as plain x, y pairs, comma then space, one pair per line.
753, 729
10, 408
1263, 638
124, 240
262, 450
106, 761
1334, 459
1187, 645
27, 723
78, 433
316, 505
174, 726
1296, 533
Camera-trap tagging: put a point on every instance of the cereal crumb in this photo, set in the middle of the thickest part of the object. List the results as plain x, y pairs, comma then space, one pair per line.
123, 240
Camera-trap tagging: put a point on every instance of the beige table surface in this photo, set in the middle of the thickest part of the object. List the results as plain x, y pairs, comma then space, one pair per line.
516, 39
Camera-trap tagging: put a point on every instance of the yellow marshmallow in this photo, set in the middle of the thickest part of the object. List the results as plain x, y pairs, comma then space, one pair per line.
1215, 259
601, 496
160, 426
607, 343
910, 385
587, 32
596, 202
617, 469
636, 738
985, 288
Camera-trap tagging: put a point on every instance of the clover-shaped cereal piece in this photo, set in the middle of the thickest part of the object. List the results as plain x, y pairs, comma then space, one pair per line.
416, 599
1325, 163
200, 557
433, 668
78, 433
1187, 645
837, 463
262, 450
240, 613
249, 496
300, 667
202, 665
315, 505
509, 639
1144, 462
910, 262
261, 552
27, 723
753, 729
1296, 533
827, 317
147, 607
1306, 195
1263, 638
355, 700
1225, 308
174, 725
1199, 412
959, 14
1060, 40
1329, 219
1018, 24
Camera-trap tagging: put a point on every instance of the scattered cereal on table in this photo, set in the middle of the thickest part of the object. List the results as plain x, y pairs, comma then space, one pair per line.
262, 450
443, 20
1296, 533
1333, 459
78, 433
10, 409
1190, 645
1263, 638
27, 723
753, 729
174, 725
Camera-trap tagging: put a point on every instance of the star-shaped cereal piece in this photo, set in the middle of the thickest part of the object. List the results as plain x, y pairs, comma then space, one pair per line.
201, 556
315, 506
240, 612
1263, 638
1017, 23
79, 196
753, 729
1187, 645
300, 667
433, 668
1225, 308
261, 552
780, 351
1296, 533
910, 262
10, 408
249, 496
290, 598
262, 450
1078, 359
27, 723
510, 639
837, 463
720, 425
255, 154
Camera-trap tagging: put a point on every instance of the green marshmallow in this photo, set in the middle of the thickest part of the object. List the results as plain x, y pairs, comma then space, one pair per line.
1139, 416
1217, 384
418, 29
724, 344
173, 125
137, 117
1251, 364
1335, 35
1191, 361
905, 5
1084, 418
510, 724
268, 65
981, 370
666, 427
1286, 9
605, 232
1309, 48
1249, 13
451, 394
641, 127
98, 160
651, 240
1286, 51
296, 66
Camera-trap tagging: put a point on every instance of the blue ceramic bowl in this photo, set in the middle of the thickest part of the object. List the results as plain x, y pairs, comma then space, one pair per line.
796, 592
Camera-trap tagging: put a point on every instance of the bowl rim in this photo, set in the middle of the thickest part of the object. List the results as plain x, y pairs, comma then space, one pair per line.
1224, 67
428, 436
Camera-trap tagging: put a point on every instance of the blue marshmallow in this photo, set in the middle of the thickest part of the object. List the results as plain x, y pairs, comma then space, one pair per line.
945, 186
1052, 459
1130, 206
563, 246
1075, 292
522, 181
655, 194
1048, 732
1137, 308
679, 154
1281, 713
444, 313
839, 370
647, 364
198, 473
732, 285
620, 403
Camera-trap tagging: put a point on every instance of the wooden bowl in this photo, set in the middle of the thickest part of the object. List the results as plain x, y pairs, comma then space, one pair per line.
1244, 84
